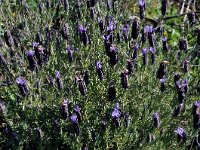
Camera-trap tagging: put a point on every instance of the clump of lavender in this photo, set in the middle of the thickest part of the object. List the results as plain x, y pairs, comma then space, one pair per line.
151, 36
70, 53
196, 115
156, 120
135, 28
145, 54
183, 45
164, 7
59, 81
111, 91
113, 55
153, 55
186, 66
64, 109
23, 86
99, 70
142, 7
116, 114
83, 34
31, 60
124, 79
75, 125
181, 135
165, 44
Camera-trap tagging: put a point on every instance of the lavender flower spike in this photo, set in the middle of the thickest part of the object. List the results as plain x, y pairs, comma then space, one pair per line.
23, 86
156, 120
59, 81
144, 53
181, 134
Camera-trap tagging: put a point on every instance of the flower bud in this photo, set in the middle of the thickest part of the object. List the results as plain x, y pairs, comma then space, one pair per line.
135, 28
99, 70
124, 79
181, 135
156, 120
111, 91
59, 81
23, 86
183, 45
165, 44
145, 58
164, 7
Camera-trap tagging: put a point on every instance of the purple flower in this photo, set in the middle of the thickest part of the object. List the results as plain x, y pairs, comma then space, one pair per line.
177, 77
83, 34
156, 120
186, 66
145, 34
135, 28
161, 70
59, 81
196, 115
99, 70
101, 25
31, 60
162, 87
77, 110
135, 54
65, 31
111, 91
181, 134
177, 110
144, 53
64, 109
23, 86
74, 121
142, 7
81, 85
164, 7
8, 38
185, 86
124, 79
165, 44
183, 45
151, 36
130, 66
86, 77
113, 55
116, 114
192, 18
69, 51
153, 56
